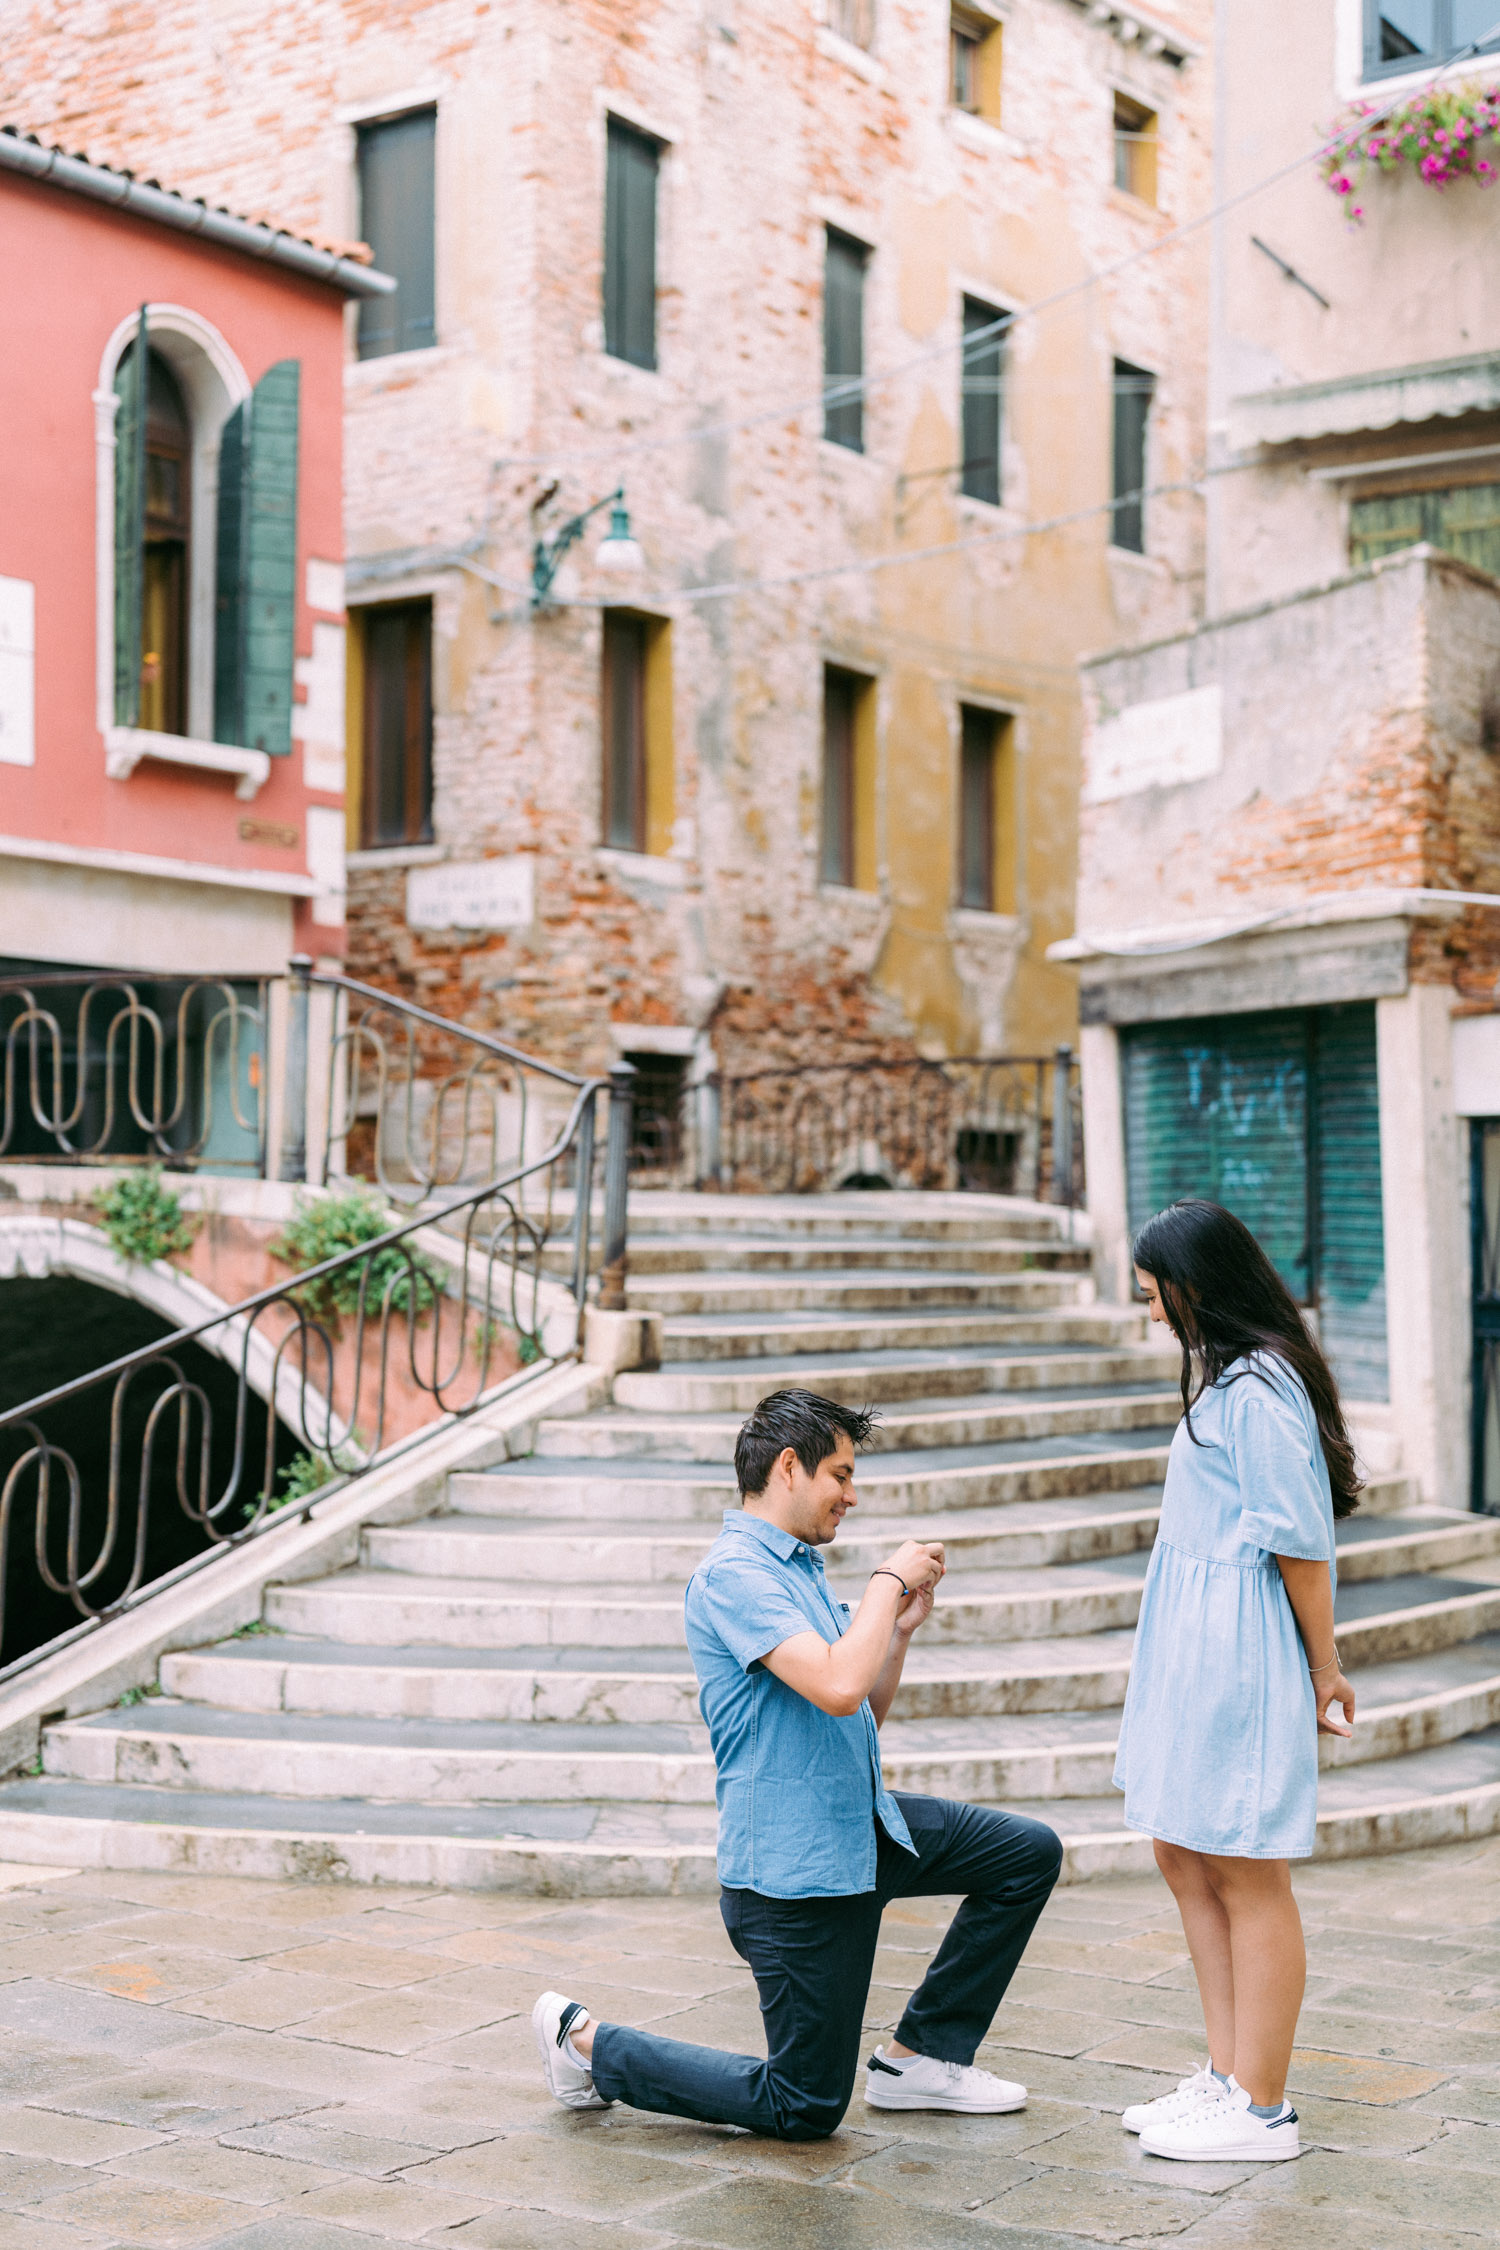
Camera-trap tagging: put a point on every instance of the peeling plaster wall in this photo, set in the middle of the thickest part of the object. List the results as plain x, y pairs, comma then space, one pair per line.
774, 129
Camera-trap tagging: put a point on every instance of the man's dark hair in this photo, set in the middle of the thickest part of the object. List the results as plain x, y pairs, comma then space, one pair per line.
810, 1425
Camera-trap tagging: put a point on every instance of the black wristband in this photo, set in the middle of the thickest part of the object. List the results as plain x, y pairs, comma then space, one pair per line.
882, 1572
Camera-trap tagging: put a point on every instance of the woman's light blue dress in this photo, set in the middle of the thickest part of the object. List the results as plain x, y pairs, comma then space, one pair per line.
1218, 1744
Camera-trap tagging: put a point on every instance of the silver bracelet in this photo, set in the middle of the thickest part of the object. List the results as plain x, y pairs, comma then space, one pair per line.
1315, 1669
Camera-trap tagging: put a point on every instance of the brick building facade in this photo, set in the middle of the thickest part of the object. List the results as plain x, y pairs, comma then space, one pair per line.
809, 786
1289, 888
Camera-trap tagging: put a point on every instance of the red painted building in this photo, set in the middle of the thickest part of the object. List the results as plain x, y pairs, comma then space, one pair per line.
171, 580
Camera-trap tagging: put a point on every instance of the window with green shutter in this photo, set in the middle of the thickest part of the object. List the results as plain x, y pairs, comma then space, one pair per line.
982, 399
844, 266
255, 629
398, 219
1462, 519
633, 161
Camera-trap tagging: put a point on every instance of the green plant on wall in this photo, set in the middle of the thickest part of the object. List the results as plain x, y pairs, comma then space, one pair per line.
309, 1472
329, 1226
143, 1219
1442, 134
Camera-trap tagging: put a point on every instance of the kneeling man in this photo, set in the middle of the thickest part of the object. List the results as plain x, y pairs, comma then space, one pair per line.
812, 1846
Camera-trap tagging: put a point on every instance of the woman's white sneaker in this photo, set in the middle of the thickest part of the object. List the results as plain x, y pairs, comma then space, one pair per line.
1181, 2102
1225, 2131
921, 2082
568, 2080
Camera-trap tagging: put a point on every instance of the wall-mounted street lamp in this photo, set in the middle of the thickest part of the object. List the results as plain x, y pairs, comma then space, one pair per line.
618, 552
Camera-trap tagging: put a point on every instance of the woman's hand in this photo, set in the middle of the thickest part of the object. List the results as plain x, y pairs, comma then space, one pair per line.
1332, 1688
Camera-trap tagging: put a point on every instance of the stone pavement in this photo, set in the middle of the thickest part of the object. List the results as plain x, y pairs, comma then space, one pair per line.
191, 2061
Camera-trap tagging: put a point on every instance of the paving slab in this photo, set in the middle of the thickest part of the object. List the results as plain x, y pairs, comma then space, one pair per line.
407, 2106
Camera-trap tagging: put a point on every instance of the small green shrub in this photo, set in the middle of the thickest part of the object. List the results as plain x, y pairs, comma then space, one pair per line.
323, 1229
143, 1218
308, 1474
135, 1695
529, 1347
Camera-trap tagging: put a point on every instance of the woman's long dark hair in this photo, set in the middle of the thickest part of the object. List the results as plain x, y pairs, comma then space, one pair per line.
1225, 1300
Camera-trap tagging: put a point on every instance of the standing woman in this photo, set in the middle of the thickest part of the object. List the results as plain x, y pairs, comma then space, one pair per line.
1235, 1670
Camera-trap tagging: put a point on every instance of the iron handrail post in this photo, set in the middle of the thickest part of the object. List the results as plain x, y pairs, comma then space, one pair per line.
583, 1202
616, 1187
1062, 1126
294, 1098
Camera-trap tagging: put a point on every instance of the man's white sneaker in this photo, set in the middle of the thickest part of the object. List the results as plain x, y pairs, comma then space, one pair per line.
1181, 2102
921, 2082
1224, 2131
570, 2082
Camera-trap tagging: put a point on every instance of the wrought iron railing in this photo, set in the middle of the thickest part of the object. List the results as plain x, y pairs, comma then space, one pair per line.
220, 1425
100, 1068
1005, 1125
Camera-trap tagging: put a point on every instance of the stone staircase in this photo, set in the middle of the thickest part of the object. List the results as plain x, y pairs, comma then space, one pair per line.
499, 1694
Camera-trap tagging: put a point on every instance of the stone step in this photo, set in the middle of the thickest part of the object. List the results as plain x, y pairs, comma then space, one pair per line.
622, 1433
526, 1552
1053, 1755
604, 1848
925, 1481
732, 1389
389, 1606
531, 1552
714, 1336
896, 1215
1380, 1618
728, 1293
706, 1253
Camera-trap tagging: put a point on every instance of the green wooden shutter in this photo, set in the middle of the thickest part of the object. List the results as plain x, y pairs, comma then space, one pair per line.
1350, 1227
131, 388
257, 566
844, 338
229, 607
1218, 1107
632, 162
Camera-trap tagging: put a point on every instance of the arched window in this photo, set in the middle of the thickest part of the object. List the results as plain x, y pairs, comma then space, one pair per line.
202, 577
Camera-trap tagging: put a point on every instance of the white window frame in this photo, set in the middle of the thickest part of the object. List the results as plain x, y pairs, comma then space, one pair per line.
213, 383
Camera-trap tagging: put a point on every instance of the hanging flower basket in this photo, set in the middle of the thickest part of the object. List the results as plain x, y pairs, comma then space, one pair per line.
1443, 134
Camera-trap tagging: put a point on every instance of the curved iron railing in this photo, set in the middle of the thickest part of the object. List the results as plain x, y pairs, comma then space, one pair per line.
1006, 1125
344, 1361
131, 1069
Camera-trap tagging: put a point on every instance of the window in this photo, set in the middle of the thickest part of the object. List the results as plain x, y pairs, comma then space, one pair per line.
986, 812
847, 856
1135, 149
1463, 520
1133, 390
853, 20
397, 217
392, 645
630, 245
974, 53
1405, 34
636, 699
983, 400
844, 340
205, 534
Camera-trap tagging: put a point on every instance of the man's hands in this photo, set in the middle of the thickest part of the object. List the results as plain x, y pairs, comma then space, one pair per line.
838, 1675
919, 1564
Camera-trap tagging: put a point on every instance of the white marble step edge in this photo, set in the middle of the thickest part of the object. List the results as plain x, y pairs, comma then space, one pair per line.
606, 1870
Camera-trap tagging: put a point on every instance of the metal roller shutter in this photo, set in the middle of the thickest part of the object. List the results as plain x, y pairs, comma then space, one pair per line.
1277, 1117
1350, 1228
1218, 1107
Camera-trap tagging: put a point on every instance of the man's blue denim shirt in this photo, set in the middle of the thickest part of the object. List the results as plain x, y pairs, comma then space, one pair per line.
799, 1790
